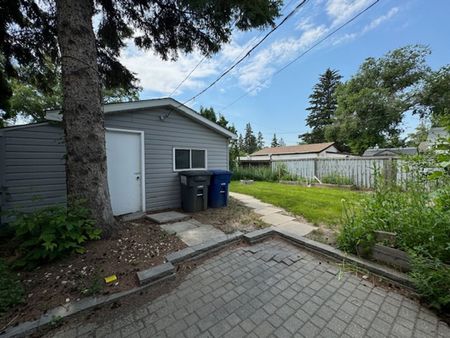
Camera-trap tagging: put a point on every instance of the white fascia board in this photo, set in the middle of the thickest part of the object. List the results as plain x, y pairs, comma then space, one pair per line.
54, 115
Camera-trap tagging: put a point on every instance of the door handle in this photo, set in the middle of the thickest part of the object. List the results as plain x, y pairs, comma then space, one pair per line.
137, 178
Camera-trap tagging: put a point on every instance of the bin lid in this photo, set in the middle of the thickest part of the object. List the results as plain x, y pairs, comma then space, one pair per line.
195, 173
220, 172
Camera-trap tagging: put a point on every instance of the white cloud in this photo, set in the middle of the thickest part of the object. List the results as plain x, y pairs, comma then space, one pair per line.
378, 21
256, 72
341, 10
163, 76
367, 28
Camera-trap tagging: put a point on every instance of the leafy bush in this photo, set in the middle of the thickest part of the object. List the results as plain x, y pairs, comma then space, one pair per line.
336, 179
418, 212
49, 233
11, 291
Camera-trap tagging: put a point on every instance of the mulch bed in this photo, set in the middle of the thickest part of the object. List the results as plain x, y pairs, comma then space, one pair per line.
138, 245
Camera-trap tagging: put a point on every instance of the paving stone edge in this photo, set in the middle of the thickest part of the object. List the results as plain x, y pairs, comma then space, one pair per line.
167, 270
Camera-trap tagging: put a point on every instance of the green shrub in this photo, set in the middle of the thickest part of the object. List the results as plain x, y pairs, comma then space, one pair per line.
11, 291
432, 280
336, 179
49, 233
417, 211
264, 173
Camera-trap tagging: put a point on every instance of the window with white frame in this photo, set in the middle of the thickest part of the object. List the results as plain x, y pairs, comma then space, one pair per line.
185, 159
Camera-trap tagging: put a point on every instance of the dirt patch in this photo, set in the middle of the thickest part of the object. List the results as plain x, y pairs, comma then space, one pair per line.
138, 245
236, 216
324, 235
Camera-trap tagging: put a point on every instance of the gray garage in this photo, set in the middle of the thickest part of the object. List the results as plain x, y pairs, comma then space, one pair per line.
148, 142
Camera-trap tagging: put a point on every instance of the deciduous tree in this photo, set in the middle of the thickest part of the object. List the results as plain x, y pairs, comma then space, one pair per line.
371, 105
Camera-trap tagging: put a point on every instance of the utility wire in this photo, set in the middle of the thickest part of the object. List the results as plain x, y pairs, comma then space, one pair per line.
248, 53
306, 51
205, 57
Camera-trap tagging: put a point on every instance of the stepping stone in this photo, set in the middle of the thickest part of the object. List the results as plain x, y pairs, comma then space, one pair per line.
173, 228
276, 219
256, 204
267, 211
167, 217
199, 235
296, 228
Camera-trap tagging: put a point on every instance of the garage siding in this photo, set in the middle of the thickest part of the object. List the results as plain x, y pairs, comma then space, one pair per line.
161, 136
32, 165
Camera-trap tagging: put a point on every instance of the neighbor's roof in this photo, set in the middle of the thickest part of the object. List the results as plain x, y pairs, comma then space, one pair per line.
390, 151
298, 149
168, 102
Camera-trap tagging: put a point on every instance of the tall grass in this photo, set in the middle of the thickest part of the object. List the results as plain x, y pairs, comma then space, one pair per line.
418, 212
263, 174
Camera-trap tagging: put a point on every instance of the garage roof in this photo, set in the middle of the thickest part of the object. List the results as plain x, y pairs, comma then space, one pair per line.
54, 115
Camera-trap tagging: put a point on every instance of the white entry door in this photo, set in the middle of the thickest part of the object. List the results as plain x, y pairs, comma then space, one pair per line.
125, 179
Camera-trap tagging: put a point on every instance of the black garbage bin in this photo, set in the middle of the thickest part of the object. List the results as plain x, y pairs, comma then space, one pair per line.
218, 189
194, 190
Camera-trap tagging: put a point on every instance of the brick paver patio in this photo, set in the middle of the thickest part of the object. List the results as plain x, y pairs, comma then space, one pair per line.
271, 289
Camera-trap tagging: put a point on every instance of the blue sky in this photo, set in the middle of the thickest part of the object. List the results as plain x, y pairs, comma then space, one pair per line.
276, 103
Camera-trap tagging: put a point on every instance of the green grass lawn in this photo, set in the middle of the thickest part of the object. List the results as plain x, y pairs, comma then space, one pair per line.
317, 205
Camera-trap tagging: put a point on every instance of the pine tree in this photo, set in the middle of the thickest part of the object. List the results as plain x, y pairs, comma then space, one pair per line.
241, 145
281, 142
322, 106
260, 141
250, 144
209, 113
274, 141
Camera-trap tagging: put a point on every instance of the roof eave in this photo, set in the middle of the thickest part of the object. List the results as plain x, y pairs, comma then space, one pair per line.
54, 115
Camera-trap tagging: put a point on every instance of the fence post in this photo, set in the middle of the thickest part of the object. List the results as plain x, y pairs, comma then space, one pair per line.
315, 168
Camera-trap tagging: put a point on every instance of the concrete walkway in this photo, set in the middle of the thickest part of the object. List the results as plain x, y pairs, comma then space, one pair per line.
188, 230
274, 216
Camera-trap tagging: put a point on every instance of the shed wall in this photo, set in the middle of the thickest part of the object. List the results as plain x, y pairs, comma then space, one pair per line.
161, 136
33, 163
32, 167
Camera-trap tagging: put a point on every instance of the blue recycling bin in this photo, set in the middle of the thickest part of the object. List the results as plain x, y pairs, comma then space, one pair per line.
218, 188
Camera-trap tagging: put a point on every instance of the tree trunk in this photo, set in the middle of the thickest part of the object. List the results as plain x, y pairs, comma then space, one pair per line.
83, 118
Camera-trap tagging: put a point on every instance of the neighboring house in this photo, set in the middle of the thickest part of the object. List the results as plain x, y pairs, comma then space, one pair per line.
147, 143
390, 152
302, 151
434, 135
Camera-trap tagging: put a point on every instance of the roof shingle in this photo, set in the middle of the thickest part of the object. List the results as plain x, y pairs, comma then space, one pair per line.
298, 149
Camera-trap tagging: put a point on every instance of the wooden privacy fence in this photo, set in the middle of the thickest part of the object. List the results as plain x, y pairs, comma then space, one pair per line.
360, 172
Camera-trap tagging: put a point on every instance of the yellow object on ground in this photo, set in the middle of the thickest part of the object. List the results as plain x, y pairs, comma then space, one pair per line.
110, 279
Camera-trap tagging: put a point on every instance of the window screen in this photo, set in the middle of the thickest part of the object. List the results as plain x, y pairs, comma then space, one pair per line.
182, 160
198, 159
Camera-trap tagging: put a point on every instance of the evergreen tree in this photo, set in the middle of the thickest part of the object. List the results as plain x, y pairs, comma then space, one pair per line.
322, 106
250, 144
223, 122
260, 141
281, 142
209, 113
274, 141
241, 144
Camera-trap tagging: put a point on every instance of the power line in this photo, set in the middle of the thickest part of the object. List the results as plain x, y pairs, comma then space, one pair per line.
306, 51
248, 53
205, 57
188, 75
